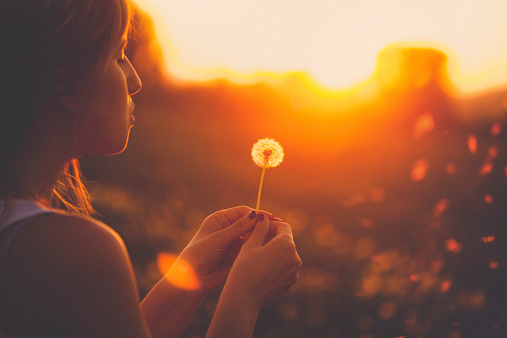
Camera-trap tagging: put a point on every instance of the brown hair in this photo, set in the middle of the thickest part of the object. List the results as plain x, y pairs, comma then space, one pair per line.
50, 48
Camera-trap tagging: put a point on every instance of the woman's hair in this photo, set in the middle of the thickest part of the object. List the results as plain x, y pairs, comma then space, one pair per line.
49, 49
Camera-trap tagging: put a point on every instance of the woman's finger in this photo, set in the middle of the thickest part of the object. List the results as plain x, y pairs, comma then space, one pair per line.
239, 228
260, 232
277, 228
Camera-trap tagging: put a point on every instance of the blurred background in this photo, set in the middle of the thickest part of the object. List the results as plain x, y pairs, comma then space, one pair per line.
395, 175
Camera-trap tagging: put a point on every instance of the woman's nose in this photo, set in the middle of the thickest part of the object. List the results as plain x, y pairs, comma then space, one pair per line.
133, 81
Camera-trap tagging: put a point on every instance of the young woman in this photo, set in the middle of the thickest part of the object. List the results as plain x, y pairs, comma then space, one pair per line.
65, 91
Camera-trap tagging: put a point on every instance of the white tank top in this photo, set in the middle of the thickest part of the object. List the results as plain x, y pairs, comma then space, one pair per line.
18, 210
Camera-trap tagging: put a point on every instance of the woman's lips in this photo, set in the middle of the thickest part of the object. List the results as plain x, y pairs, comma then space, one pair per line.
132, 106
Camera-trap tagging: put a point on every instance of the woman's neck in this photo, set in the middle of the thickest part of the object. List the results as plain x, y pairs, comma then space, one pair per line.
40, 162
36, 177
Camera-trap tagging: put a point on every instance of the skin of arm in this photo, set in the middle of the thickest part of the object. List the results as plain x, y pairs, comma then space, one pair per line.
169, 310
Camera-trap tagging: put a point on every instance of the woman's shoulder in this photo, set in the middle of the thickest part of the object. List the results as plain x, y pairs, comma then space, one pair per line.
77, 267
58, 235
38, 220
61, 225
65, 243
62, 244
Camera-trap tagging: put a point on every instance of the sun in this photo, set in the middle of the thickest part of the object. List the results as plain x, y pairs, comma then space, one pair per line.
336, 42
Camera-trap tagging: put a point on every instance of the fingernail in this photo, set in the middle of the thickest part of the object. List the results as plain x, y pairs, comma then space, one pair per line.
252, 214
278, 219
260, 218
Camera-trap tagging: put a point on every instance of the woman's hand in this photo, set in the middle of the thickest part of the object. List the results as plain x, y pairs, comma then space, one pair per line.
267, 264
168, 309
216, 244
266, 267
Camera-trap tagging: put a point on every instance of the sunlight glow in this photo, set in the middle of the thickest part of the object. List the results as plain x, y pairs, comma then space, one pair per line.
450, 168
177, 272
496, 128
452, 245
336, 42
472, 144
424, 123
419, 170
487, 166
488, 239
440, 207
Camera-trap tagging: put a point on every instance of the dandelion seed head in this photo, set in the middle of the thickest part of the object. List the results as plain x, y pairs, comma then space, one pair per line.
267, 153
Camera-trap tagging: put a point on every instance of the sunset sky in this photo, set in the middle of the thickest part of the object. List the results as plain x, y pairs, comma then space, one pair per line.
336, 42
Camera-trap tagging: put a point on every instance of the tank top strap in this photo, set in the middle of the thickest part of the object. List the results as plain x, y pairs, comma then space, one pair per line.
17, 210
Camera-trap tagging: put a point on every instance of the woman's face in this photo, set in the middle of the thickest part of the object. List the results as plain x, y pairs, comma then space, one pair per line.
103, 128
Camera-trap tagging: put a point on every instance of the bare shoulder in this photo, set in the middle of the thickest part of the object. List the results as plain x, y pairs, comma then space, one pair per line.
78, 267
55, 226
58, 238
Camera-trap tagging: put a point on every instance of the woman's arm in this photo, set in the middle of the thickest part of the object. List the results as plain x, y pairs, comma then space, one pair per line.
168, 310
235, 315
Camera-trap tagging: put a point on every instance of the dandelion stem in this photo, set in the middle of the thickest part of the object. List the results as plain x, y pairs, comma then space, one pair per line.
260, 189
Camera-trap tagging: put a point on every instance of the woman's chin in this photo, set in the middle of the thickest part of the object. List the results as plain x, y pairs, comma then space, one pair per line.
110, 148
121, 146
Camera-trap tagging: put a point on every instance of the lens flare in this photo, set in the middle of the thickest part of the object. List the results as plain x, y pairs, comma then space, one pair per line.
178, 272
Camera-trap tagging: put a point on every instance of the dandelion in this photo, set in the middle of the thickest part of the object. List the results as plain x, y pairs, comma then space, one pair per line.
266, 153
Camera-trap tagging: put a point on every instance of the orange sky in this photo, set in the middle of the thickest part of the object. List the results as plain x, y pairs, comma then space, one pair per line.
336, 42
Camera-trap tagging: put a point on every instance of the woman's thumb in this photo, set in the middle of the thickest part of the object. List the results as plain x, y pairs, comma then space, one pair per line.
240, 227
260, 232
